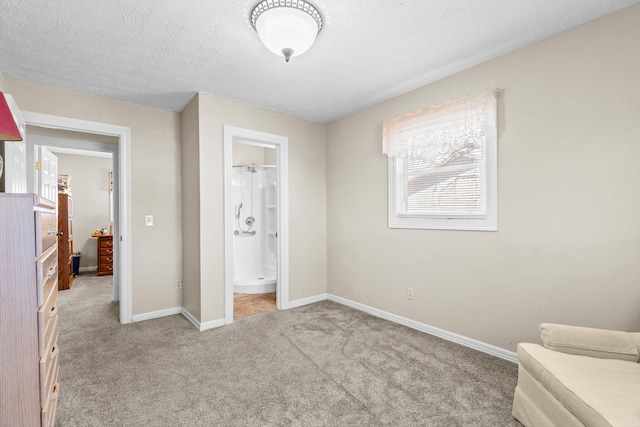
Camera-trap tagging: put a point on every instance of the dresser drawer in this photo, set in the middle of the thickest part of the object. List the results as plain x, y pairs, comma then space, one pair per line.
105, 268
46, 221
46, 231
106, 242
48, 311
106, 260
48, 372
106, 251
48, 338
46, 274
50, 404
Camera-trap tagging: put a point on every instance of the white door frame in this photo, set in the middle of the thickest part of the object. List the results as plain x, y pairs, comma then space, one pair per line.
122, 174
280, 143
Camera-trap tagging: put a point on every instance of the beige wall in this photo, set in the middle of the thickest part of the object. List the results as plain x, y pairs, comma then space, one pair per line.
307, 198
156, 187
190, 131
246, 154
71, 135
568, 245
90, 189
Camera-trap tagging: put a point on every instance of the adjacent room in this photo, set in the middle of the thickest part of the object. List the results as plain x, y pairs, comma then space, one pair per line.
322, 212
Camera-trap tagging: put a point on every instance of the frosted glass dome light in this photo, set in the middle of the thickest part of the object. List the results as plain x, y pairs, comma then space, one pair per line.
286, 27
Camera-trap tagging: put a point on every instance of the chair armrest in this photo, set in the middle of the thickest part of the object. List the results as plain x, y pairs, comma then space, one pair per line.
592, 342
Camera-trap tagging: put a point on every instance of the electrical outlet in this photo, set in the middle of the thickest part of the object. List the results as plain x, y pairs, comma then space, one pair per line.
409, 293
178, 284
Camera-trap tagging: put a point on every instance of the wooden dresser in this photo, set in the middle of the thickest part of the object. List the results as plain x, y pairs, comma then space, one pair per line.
65, 241
105, 254
28, 311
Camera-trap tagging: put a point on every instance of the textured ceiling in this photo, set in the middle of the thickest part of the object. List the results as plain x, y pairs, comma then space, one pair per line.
161, 52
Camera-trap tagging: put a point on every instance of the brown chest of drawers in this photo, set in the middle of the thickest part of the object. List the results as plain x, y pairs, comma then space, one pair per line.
65, 241
105, 255
28, 311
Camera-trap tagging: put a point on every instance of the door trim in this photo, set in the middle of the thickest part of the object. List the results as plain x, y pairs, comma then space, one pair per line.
280, 143
122, 222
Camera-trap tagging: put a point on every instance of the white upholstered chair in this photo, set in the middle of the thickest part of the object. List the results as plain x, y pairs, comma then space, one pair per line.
580, 377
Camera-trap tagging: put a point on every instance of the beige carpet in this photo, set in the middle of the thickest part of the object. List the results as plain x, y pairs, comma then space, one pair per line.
318, 365
249, 304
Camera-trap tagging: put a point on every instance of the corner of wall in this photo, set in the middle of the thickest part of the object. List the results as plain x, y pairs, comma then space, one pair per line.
190, 173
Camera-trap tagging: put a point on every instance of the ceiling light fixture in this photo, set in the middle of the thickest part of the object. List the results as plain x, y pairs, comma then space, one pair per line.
286, 27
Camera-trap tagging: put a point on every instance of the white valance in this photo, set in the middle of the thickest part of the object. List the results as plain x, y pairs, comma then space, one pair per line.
437, 134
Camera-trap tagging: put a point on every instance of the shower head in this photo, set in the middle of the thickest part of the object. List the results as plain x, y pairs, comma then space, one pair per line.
238, 208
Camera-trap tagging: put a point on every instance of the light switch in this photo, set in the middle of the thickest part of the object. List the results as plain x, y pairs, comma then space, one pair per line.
148, 220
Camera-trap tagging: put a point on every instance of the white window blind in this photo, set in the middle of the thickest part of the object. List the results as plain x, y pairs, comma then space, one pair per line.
443, 158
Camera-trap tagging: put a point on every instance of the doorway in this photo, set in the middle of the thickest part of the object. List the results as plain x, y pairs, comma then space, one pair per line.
121, 152
256, 220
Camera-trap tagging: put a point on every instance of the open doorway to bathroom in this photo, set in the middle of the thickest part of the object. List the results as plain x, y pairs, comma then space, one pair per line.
254, 192
256, 242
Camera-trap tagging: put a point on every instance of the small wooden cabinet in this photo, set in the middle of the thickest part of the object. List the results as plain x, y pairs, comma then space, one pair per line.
28, 311
65, 241
105, 254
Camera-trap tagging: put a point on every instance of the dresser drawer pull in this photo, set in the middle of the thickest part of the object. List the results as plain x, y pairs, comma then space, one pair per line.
54, 352
54, 392
51, 271
54, 311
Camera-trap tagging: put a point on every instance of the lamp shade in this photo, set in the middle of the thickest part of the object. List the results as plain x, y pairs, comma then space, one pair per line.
8, 127
287, 28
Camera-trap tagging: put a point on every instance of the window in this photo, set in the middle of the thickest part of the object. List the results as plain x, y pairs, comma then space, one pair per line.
443, 165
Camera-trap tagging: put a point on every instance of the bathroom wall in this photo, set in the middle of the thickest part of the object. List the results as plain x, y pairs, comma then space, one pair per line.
307, 198
567, 248
156, 186
246, 154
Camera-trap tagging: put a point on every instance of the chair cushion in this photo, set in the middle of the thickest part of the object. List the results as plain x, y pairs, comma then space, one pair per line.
590, 342
599, 392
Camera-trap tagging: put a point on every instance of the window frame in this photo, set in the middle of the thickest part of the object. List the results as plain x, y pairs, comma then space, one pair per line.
486, 222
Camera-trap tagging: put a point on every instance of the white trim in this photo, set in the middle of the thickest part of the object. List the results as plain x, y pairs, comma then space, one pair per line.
122, 289
211, 324
280, 143
432, 330
156, 314
306, 301
89, 269
201, 326
76, 152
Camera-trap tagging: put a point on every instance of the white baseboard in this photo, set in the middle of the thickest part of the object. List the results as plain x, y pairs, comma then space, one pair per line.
201, 326
305, 301
87, 269
156, 314
449, 336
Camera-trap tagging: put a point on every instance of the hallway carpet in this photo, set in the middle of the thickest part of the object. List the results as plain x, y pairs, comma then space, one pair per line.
318, 365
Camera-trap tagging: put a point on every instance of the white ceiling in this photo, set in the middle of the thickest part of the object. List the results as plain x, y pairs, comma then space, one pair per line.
161, 52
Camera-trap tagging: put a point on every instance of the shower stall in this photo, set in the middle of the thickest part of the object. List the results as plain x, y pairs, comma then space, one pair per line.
254, 196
